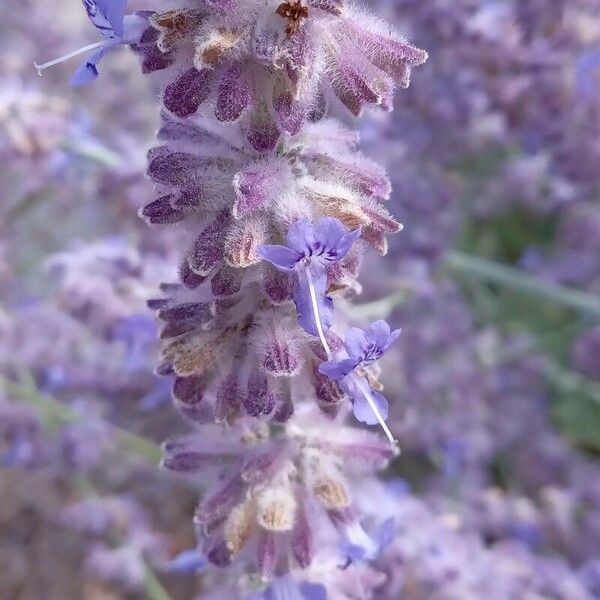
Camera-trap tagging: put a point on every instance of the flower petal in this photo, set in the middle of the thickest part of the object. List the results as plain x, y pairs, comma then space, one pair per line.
107, 16
188, 561
313, 591
356, 388
356, 343
378, 333
384, 534
392, 338
282, 257
329, 231
338, 369
346, 242
88, 71
301, 236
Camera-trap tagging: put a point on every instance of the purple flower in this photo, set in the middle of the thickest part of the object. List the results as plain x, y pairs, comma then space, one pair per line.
363, 348
285, 588
369, 406
311, 249
108, 16
359, 545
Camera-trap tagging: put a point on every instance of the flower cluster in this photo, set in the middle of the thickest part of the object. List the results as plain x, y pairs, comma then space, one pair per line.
250, 328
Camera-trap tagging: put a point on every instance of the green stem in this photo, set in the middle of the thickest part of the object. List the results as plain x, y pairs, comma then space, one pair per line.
368, 311
570, 382
533, 344
92, 151
154, 588
499, 274
524, 283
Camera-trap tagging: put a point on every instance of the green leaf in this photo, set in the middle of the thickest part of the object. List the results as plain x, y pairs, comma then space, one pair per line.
578, 417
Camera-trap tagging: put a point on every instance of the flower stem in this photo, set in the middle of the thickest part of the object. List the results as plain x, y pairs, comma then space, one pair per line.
92, 151
500, 274
154, 588
523, 282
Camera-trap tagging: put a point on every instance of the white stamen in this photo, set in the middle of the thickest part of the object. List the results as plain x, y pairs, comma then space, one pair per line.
68, 56
317, 316
366, 393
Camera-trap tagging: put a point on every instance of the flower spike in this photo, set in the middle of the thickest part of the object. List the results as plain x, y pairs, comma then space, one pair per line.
246, 154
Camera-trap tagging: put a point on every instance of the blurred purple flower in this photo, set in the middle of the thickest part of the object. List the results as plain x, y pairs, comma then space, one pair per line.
285, 588
188, 561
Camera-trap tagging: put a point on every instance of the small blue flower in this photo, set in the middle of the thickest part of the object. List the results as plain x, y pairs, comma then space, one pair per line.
310, 249
108, 16
359, 545
363, 348
285, 588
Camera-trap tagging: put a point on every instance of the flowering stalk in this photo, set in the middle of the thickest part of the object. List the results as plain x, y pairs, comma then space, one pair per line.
248, 157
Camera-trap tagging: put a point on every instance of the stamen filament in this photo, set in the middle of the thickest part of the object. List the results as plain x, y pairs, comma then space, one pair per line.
369, 399
317, 316
68, 56
315, 307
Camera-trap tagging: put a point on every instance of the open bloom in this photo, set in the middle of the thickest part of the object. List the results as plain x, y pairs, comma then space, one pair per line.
108, 16
363, 348
311, 249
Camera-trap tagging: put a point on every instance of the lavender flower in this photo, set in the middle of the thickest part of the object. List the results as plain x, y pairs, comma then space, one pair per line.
108, 17
363, 348
310, 250
245, 150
